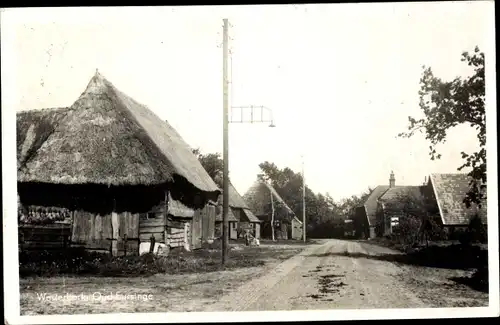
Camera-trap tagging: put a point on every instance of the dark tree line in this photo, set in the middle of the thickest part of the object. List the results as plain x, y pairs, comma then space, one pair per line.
324, 216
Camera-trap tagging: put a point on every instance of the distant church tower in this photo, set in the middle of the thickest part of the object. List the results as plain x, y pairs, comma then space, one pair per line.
392, 180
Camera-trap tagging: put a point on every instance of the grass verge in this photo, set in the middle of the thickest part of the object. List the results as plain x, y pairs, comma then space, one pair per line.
190, 282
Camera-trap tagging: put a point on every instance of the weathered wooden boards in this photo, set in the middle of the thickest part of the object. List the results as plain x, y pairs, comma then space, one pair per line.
117, 232
44, 236
176, 237
121, 233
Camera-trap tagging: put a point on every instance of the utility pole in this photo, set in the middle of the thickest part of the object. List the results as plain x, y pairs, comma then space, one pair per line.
225, 149
272, 214
225, 194
303, 202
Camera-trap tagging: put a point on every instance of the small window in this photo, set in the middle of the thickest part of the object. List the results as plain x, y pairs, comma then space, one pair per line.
146, 216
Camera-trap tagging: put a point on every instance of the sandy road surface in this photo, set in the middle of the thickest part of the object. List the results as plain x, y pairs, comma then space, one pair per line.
321, 277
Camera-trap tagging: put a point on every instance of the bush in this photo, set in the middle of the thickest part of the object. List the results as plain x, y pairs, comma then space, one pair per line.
464, 237
452, 256
406, 233
80, 262
477, 230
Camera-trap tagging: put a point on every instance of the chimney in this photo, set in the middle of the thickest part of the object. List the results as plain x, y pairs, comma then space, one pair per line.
392, 180
425, 180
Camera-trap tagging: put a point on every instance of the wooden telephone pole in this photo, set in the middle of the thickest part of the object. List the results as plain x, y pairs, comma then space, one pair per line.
225, 194
303, 202
226, 121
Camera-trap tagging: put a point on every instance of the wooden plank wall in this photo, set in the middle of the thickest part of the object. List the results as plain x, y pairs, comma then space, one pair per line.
128, 234
122, 233
196, 230
106, 233
176, 237
187, 229
92, 231
207, 216
51, 236
152, 226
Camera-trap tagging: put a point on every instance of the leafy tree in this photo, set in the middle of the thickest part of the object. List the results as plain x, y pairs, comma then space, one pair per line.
324, 215
213, 164
447, 104
349, 205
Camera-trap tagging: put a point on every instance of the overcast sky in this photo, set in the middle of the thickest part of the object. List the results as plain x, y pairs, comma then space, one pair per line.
341, 79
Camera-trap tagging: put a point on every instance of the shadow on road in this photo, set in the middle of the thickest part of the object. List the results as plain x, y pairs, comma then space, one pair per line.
451, 257
448, 257
478, 281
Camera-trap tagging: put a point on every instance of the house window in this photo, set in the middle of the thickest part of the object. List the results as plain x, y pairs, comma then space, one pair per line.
146, 216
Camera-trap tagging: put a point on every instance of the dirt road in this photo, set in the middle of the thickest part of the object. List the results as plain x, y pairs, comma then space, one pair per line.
324, 277
332, 274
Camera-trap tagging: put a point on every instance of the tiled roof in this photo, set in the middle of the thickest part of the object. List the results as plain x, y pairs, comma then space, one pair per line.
450, 191
371, 203
400, 193
400, 198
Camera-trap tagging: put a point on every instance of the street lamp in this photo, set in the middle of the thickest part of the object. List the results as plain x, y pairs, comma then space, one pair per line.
253, 118
225, 177
226, 121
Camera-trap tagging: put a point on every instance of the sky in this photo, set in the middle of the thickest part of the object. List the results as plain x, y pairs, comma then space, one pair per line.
341, 79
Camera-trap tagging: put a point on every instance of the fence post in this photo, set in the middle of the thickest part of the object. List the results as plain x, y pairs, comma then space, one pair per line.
152, 247
125, 245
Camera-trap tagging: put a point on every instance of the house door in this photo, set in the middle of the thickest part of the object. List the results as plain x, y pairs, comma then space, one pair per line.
233, 230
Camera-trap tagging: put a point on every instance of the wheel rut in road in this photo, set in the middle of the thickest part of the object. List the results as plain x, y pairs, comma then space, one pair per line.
328, 276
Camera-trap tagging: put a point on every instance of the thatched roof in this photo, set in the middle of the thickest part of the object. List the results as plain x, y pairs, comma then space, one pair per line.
230, 215
33, 129
450, 191
108, 138
235, 199
250, 216
178, 209
258, 197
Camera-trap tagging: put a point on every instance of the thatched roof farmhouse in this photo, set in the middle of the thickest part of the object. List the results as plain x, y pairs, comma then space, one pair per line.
107, 154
